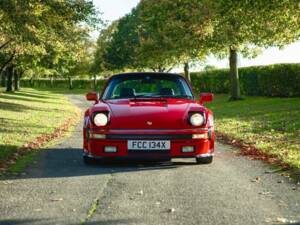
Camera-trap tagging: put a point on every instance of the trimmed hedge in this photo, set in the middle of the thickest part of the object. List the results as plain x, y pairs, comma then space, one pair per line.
280, 80
76, 83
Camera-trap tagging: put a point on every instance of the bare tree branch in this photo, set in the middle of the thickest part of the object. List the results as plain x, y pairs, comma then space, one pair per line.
5, 44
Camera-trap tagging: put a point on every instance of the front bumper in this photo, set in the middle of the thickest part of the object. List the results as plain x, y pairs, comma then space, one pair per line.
94, 147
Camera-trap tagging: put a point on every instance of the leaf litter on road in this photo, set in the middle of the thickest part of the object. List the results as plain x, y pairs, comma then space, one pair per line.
56, 199
256, 180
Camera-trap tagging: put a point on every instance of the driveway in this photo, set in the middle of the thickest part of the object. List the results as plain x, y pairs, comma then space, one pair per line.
60, 189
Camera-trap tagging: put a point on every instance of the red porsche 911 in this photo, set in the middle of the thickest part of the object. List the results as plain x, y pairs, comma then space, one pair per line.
148, 116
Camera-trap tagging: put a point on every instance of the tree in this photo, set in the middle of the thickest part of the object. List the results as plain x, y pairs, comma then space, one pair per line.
140, 41
223, 27
32, 29
178, 30
240, 24
121, 42
101, 62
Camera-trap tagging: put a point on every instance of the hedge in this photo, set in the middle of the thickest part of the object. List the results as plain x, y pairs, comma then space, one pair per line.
61, 83
280, 80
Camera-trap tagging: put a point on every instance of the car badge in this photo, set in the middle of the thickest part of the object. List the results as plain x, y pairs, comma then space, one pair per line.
149, 123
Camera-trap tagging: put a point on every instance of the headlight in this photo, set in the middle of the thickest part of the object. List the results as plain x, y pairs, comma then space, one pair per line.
100, 119
197, 119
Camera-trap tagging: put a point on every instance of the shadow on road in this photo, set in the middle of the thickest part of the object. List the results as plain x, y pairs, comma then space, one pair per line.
47, 221
68, 163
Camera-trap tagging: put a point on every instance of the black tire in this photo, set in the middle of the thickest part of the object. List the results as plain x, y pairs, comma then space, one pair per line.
88, 160
204, 160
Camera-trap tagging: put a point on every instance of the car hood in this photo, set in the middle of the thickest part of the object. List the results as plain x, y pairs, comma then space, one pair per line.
151, 113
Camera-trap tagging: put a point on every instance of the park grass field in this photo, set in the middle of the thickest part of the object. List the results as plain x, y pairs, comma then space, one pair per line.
28, 114
272, 125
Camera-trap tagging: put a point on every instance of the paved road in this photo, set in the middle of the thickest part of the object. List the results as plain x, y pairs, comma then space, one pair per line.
60, 189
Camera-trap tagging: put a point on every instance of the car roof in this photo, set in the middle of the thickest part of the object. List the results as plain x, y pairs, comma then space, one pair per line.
144, 73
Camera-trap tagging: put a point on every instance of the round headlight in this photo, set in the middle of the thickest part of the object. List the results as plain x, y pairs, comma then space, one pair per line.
100, 119
197, 119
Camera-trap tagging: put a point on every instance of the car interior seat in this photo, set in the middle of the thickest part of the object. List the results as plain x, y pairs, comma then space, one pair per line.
166, 91
127, 92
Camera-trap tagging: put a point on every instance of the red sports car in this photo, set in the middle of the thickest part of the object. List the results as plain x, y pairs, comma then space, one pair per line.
148, 116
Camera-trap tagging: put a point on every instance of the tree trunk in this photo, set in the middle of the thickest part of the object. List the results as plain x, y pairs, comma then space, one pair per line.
7, 62
3, 78
234, 75
16, 80
95, 82
51, 82
5, 44
70, 83
9, 81
187, 71
32, 82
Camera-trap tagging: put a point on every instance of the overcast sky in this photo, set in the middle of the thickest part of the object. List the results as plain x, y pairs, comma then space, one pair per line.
114, 9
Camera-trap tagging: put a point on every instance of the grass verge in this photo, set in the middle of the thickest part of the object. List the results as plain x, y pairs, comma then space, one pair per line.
29, 119
271, 125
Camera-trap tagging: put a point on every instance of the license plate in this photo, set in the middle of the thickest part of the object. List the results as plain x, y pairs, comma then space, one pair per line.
148, 145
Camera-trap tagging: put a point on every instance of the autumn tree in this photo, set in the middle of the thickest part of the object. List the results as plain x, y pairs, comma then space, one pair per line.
240, 24
34, 30
178, 29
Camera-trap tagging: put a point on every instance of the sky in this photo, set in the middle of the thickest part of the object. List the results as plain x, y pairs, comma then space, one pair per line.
115, 9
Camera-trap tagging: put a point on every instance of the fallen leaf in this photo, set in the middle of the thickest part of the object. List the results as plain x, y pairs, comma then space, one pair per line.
255, 180
140, 192
171, 210
285, 175
265, 193
56, 199
281, 220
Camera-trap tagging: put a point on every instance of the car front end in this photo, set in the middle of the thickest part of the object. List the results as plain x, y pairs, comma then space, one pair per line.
149, 128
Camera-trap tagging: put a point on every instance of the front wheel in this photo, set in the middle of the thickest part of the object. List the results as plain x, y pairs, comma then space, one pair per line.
88, 160
204, 160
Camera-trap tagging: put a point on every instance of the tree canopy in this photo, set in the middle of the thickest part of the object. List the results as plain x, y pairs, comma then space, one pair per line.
44, 35
161, 34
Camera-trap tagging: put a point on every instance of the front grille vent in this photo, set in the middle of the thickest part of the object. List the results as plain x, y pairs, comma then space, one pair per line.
148, 136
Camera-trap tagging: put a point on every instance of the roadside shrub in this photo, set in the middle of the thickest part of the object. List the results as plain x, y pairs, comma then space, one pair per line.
280, 80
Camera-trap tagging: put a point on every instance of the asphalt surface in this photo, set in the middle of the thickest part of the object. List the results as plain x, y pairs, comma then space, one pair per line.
60, 189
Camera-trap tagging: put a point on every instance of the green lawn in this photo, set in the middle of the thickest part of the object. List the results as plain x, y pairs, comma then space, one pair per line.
270, 124
28, 114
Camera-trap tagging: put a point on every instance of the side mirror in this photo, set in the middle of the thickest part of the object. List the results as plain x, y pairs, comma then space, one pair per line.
206, 97
92, 96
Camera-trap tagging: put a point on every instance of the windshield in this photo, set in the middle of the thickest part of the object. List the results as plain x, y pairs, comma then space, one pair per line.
147, 86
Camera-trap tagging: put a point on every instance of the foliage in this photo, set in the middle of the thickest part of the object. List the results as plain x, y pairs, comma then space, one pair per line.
101, 62
274, 80
270, 124
46, 37
152, 37
174, 30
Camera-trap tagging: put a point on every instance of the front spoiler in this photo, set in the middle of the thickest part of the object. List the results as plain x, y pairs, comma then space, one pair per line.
146, 157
